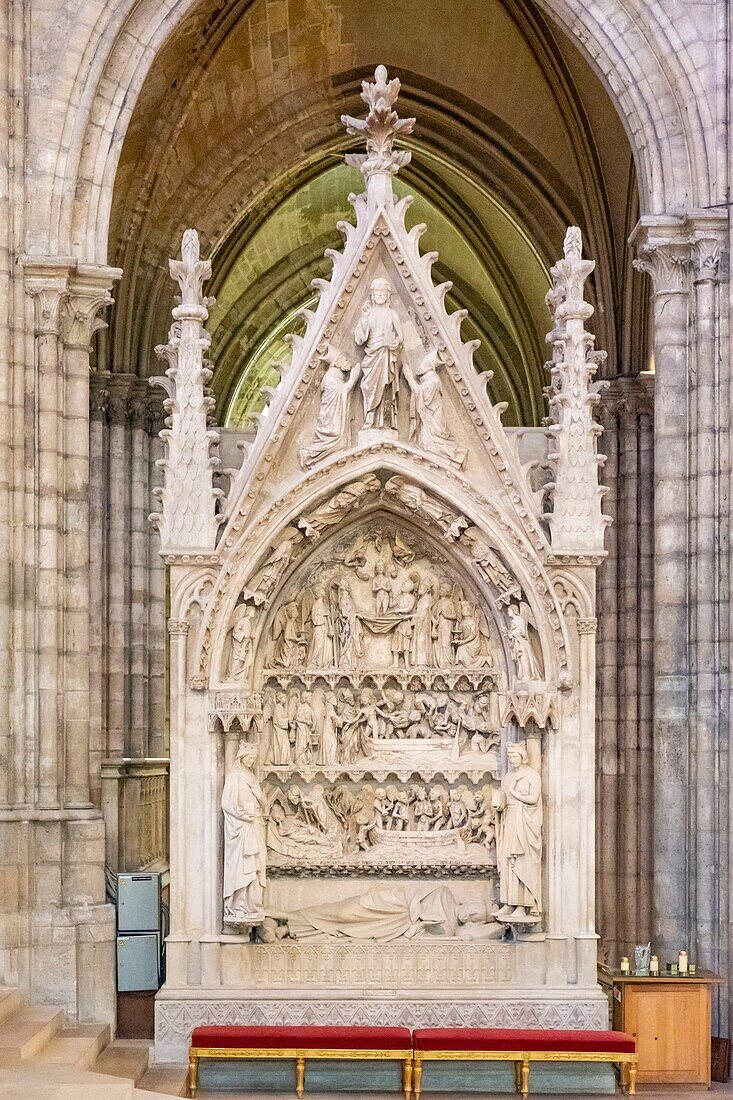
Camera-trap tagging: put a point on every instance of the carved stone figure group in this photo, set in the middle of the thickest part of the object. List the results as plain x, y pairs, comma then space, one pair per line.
305, 727
320, 825
434, 809
378, 334
340, 620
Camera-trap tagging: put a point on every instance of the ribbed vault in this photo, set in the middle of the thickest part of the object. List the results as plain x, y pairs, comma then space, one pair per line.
236, 131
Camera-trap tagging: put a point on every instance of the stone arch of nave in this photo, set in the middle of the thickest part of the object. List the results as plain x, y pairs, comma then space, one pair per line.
665, 138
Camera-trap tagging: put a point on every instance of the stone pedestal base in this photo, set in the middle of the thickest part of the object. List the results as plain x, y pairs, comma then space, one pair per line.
57, 935
369, 436
179, 1011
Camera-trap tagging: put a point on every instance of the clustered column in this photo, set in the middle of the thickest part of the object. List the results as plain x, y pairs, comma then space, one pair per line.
625, 675
691, 570
128, 689
57, 930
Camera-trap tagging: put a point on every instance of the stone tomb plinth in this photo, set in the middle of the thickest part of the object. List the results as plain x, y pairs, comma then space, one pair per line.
418, 984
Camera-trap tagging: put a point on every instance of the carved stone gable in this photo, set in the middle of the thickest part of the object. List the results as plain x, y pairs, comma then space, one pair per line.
381, 360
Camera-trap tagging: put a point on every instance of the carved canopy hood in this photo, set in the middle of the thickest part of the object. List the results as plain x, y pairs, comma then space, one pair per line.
378, 605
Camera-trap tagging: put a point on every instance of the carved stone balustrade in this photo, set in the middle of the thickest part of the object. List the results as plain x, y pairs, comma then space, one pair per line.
135, 801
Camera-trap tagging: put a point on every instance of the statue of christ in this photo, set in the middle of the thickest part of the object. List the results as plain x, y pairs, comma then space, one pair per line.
379, 332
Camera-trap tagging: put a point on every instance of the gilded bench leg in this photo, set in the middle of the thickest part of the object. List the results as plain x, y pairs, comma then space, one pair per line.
524, 1077
407, 1077
517, 1083
632, 1079
417, 1078
299, 1075
193, 1074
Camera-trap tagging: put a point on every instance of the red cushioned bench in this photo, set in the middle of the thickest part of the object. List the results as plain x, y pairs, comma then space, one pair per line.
299, 1043
523, 1047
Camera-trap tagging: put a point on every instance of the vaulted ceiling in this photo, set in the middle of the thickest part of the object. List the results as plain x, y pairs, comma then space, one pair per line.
237, 133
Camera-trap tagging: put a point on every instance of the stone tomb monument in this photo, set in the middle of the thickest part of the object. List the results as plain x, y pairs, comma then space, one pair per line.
381, 660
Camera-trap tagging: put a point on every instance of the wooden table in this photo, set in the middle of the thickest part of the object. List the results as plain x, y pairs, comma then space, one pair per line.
670, 1020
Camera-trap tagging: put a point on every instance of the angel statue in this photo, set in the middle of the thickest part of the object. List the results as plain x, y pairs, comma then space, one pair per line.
266, 580
245, 852
428, 425
519, 642
379, 333
332, 425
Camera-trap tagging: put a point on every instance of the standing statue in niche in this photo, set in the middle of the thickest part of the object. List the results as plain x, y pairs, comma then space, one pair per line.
245, 850
332, 426
520, 645
304, 729
379, 333
329, 726
428, 425
241, 640
518, 808
404, 605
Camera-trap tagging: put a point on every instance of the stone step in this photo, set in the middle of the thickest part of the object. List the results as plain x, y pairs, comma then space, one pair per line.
28, 1030
39, 1081
124, 1058
170, 1080
76, 1046
10, 1001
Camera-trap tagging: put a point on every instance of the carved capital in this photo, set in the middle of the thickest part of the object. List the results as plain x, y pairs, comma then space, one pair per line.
587, 626
98, 396
668, 262
708, 234
627, 396
707, 256
79, 318
178, 626
156, 413
138, 408
662, 248
48, 294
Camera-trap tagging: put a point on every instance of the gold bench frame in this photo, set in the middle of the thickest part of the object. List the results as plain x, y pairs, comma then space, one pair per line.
299, 1056
522, 1059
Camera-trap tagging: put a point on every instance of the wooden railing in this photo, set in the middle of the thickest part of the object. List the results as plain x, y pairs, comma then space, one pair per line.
135, 805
